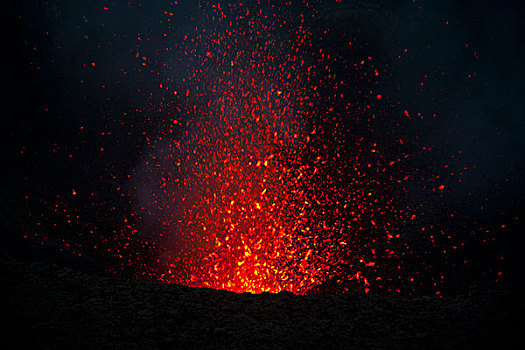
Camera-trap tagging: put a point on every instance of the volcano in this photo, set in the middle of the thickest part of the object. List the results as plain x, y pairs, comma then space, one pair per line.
320, 155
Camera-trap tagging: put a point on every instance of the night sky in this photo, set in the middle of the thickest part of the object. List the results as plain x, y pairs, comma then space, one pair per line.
346, 146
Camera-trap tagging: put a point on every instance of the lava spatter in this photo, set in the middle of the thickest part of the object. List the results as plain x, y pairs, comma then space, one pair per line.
261, 188
268, 154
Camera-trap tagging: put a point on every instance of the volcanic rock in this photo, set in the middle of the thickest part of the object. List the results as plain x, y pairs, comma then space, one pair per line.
47, 306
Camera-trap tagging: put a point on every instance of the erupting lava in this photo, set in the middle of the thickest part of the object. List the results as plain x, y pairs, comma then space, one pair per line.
275, 154
251, 197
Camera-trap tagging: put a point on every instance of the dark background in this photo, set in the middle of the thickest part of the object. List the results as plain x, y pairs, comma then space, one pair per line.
69, 125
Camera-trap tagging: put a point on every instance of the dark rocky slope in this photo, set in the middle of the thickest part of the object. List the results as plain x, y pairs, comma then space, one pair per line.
48, 307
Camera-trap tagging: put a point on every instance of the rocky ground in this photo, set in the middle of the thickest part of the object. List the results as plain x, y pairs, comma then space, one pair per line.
49, 307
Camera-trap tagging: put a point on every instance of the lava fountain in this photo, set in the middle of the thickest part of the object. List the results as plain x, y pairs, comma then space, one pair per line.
249, 193
267, 150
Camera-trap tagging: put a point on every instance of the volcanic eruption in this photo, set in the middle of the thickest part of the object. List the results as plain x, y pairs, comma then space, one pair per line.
265, 149
260, 183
